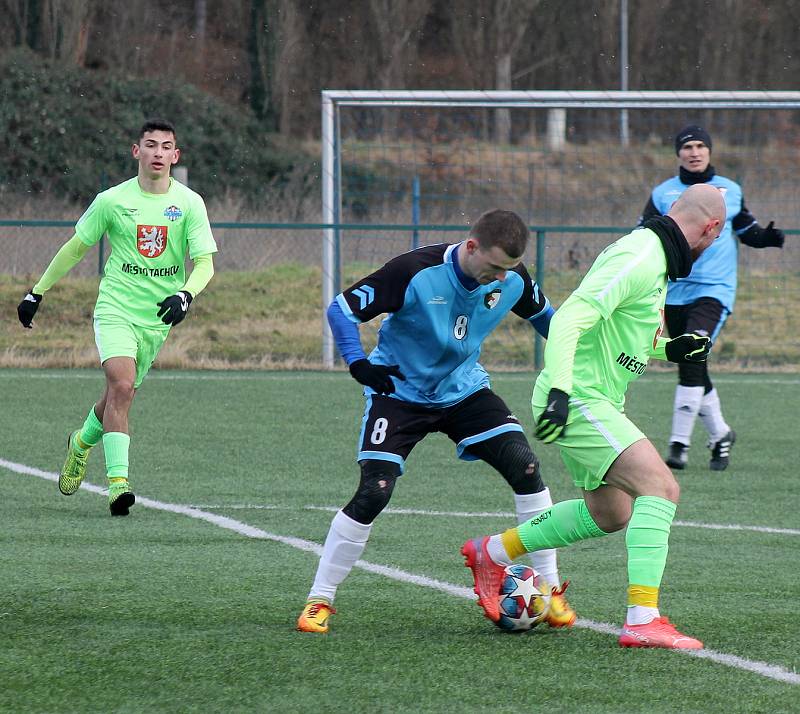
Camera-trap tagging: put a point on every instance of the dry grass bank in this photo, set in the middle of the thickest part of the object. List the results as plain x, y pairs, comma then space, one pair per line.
272, 319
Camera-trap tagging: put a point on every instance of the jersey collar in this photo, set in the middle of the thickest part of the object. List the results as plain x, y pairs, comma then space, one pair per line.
690, 177
676, 249
451, 255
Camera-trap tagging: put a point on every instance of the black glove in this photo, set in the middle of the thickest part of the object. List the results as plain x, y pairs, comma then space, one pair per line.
773, 237
376, 376
174, 308
552, 422
688, 348
28, 307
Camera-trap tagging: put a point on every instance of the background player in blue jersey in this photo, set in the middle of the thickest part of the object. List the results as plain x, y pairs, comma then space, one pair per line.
424, 376
703, 301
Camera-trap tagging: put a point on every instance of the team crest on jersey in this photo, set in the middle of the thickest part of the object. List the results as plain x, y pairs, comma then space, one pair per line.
491, 299
151, 240
173, 213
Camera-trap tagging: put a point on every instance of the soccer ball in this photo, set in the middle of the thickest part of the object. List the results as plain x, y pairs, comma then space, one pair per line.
524, 599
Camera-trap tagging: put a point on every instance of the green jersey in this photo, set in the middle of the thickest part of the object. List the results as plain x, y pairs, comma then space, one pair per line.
611, 325
150, 235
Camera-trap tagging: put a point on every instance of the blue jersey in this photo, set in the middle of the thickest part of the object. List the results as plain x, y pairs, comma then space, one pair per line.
435, 325
714, 273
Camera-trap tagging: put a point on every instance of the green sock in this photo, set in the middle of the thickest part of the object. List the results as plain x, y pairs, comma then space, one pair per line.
647, 540
563, 523
115, 447
92, 430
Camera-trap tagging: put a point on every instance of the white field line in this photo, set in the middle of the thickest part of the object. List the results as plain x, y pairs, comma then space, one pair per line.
507, 515
168, 376
763, 669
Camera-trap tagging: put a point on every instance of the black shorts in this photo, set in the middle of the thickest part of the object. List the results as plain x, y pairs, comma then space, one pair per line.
705, 316
391, 428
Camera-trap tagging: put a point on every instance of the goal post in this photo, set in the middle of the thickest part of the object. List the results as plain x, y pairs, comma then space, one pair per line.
427, 163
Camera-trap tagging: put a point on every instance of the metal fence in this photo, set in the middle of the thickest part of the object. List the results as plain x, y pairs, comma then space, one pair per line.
578, 166
764, 331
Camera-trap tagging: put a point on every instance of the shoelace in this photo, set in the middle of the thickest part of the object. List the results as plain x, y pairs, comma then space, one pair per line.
559, 590
75, 465
313, 611
117, 488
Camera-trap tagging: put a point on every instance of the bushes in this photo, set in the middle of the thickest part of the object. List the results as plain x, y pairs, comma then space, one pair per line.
63, 128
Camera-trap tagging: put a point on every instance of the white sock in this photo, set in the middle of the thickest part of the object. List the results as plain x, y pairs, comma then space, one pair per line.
497, 551
711, 416
641, 615
545, 562
344, 545
684, 412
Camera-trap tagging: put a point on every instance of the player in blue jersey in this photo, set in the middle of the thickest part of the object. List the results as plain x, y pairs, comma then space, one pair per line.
703, 301
424, 376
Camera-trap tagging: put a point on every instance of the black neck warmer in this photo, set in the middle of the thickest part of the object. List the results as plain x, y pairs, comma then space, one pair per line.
690, 177
679, 257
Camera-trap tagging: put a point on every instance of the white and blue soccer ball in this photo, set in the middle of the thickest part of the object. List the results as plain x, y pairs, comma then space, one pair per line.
524, 599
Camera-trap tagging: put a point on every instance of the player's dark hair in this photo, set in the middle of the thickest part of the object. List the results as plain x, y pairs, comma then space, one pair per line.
156, 124
501, 228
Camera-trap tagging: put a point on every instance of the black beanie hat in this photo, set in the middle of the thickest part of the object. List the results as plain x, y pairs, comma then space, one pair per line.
692, 133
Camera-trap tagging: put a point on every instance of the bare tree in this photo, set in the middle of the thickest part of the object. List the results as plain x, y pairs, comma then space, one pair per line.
512, 23
488, 35
395, 44
15, 13
200, 26
291, 61
66, 28
397, 24
262, 47
56, 28
117, 39
276, 55
200, 19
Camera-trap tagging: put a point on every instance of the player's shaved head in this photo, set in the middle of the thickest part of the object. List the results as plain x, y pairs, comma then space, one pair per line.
700, 214
700, 202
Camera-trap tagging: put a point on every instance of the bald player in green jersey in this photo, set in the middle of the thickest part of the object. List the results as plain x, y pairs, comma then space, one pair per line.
152, 222
601, 340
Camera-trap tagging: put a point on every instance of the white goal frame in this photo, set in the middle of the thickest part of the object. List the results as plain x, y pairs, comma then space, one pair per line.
333, 100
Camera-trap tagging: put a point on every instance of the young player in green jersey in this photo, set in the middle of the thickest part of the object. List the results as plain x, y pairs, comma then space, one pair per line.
152, 222
600, 340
